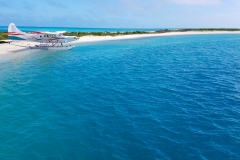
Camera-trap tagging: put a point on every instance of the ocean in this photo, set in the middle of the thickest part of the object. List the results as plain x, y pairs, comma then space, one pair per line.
72, 29
175, 97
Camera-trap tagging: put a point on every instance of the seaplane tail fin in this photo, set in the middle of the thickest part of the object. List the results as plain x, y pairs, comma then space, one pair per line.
14, 33
13, 29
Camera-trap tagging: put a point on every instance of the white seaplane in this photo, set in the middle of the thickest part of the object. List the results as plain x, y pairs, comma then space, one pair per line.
47, 40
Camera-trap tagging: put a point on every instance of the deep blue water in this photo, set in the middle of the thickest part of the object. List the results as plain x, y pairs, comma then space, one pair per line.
71, 29
152, 98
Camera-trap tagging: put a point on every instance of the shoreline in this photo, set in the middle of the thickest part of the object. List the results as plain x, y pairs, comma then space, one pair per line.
23, 45
136, 36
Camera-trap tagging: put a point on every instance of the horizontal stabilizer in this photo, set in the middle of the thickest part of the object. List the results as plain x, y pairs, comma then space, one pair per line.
14, 33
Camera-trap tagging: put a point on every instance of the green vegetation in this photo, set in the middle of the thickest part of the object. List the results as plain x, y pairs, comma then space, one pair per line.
4, 35
81, 34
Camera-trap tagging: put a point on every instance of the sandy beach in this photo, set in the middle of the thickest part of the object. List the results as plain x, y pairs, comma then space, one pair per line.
21, 46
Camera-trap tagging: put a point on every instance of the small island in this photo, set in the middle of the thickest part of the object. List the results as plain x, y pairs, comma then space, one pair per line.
4, 35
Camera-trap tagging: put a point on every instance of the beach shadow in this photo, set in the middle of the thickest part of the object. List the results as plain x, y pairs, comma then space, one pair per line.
19, 50
24, 47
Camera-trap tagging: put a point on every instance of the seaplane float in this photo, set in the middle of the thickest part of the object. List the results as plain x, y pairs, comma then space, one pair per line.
47, 40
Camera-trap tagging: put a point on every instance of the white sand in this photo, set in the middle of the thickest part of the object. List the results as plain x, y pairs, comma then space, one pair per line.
22, 46
15, 47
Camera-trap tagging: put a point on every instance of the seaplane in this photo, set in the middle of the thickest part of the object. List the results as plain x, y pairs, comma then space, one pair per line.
47, 40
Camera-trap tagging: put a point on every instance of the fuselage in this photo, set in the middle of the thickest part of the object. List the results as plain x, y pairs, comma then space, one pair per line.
42, 37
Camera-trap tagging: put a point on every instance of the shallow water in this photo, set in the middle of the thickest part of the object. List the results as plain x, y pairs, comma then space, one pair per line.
153, 98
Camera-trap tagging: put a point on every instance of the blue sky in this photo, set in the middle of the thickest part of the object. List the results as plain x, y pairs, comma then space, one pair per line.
121, 13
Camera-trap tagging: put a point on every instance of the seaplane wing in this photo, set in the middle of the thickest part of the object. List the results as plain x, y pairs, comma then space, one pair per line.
60, 32
57, 32
48, 37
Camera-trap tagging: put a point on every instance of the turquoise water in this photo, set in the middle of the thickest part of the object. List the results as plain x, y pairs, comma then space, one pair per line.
152, 98
71, 29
